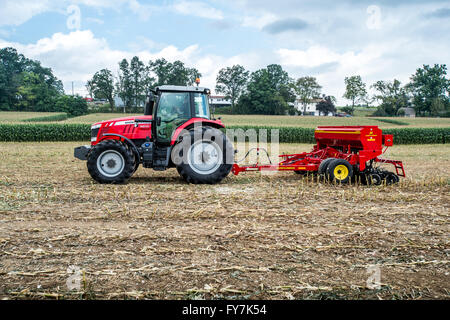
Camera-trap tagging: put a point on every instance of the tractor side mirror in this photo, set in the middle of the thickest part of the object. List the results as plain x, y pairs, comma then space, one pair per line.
149, 108
149, 104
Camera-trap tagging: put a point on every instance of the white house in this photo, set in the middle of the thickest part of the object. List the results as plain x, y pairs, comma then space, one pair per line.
118, 102
219, 102
407, 112
310, 108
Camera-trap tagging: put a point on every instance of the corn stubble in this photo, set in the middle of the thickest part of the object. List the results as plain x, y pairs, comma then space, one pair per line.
280, 236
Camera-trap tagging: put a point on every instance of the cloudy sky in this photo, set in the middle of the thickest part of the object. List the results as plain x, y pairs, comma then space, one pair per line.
328, 39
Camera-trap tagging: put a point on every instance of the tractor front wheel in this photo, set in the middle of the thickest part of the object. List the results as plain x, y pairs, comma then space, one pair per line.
111, 161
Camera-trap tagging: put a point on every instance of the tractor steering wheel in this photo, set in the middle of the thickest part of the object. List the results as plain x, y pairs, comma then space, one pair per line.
169, 120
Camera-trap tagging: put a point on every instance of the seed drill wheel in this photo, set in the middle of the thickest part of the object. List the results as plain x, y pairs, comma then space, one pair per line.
340, 171
324, 165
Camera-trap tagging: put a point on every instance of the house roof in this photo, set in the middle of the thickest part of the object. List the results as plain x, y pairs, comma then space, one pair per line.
407, 110
181, 89
313, 100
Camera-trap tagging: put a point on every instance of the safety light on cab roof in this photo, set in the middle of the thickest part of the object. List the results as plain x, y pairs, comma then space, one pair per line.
197, 81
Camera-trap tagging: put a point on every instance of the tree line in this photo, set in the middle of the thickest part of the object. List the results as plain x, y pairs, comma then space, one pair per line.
135, 79
272, 91
25, 85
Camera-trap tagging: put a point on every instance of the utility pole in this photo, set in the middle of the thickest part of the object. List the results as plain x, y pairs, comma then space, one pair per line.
72, 89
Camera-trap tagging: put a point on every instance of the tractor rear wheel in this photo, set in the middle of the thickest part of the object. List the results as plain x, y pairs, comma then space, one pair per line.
111, 161
340, 171
206, 156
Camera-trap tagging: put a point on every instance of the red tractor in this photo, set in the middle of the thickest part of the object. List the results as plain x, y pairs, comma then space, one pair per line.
176, 125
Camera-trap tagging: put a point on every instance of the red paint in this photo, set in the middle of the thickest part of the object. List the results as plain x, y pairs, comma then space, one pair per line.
191, 122
119, 126
143, 130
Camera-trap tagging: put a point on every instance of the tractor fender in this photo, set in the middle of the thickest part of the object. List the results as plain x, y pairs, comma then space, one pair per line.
127, 141
191, 123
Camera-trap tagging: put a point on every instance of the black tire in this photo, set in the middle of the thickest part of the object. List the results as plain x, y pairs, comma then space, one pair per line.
117, 148
136, 163
324, 165
209, 137
392, 178
340, 171
135, 157
375, 179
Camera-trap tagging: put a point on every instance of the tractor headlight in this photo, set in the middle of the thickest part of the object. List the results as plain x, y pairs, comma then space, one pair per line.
94, 132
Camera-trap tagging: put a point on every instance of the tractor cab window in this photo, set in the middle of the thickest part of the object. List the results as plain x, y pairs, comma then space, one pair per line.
201, 105
174, 110
173, 106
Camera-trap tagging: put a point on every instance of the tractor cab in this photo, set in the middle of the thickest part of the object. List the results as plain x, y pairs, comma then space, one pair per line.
173, 106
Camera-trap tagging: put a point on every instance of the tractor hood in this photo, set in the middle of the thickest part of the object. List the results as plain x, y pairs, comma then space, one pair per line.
121, 121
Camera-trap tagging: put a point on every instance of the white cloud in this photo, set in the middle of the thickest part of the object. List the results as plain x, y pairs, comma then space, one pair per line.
78, 55
142, 11
198, 9
16, 12
258, 21
369, 63
312, 57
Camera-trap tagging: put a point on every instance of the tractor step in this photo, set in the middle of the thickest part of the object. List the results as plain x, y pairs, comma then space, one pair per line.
161, 157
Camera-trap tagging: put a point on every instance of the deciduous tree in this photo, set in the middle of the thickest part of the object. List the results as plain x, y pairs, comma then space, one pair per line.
124, 85
430, 89
268, 92
307, 89
102, 86
392, 96
231, 82
326, 105
355, 90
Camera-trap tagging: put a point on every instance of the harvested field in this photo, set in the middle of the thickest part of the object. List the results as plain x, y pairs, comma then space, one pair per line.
250, 237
